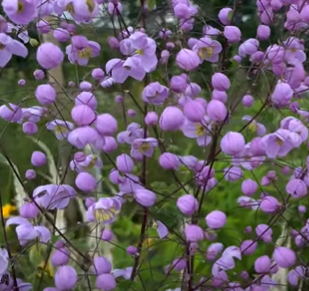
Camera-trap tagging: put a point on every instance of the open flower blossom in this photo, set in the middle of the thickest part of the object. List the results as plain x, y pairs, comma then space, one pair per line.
60, 127
26, 232
54, 196
208, 49
9, 47
81, 50
199, 130
89, 163
20, 11
143, 147
280, 143
81, 10
105, 210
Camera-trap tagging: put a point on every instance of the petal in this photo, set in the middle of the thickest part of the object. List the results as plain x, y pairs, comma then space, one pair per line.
5, 57
17, 48
44, 233
162, 230
17, 220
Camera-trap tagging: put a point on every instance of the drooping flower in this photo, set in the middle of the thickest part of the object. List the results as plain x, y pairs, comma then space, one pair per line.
20, 11
26, 232
145, 50
81, 50
143, 147
105, 210
155, 93
54, 196
60, 127
208, 49
199, 130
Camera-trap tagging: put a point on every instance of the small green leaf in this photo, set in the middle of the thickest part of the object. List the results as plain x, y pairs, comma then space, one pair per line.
151, 4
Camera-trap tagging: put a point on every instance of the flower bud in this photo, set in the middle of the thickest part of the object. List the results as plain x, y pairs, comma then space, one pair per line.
49, 56
216, 110
194, 233
125, 163
262, 264
83, 115
145, 197
151, 118
169, 161
101, 266
232, 33
65, 278
220, 82
232, 143
85, 182
187, 60
38, 159
187, 204
171, 119
215, 219
194, 111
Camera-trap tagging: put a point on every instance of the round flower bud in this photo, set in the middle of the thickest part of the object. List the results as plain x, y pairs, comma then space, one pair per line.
262, 264
38, 159
232, 143
124, 163
30, 174
169, 161
216, 110
187, 204
194, 233
49, 56
220, 82
45, 94
29, 210
106, 282
151, 118
145, 197
194, 111
284, 257
83, 115
248, 247
85, 182
171, 119
101, 266
65, 278
106, 124
30, 128
216, 219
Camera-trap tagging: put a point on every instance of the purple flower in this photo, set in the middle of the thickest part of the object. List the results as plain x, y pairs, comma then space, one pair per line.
280, 143
187, 60
233, 143
53, 196
171, 119
133, 131
143, 147
26, 232
20, 11
60, 257
225, 15
45, 94
65, 278
38, 159
263, 32
194, 110
215, 219
86, 135
106, 282
49, 55
220, 82
81, 50
88, 163
249, 187
145, 197
199, 130
105, 210
208, 49
155, 93
248, 247
9, 47
23, 35
187, 204
169, 161
83, 115
262, 264
216, 110
101, 265
284, 257
232, 33
120, 70
264, 232
11, 113
296, 188
86, 98
282, 94
60, 127
83, 11
145, 50
194, 233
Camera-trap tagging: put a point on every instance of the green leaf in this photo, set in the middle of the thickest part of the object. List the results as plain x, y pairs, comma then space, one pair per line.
151, 4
